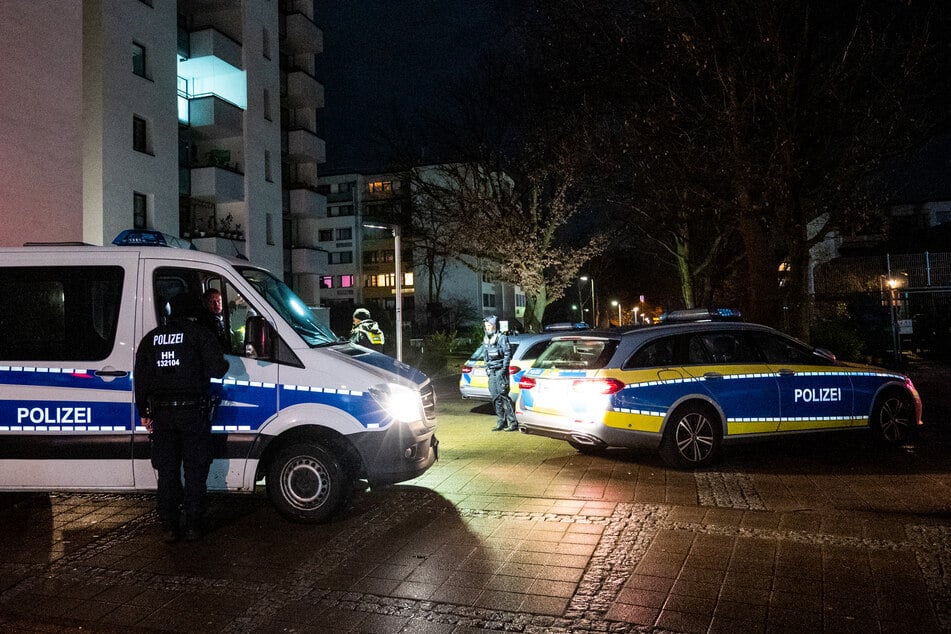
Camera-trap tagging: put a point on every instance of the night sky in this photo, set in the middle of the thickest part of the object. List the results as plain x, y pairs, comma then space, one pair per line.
384, 64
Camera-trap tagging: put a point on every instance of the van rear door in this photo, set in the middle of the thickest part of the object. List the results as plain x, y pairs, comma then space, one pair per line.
67, 318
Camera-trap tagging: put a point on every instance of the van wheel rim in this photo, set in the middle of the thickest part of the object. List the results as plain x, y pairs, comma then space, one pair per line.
305, 483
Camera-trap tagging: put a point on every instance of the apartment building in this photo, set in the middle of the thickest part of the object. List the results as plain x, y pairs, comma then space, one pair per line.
354, 245
192, 117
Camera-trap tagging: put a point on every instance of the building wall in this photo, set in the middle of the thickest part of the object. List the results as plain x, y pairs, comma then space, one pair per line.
40, 121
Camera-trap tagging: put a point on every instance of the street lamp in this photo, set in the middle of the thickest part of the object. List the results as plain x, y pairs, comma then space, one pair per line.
636, 308
614, 302
397, 264
594, 307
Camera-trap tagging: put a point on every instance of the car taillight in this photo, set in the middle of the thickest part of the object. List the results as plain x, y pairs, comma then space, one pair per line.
597, 386
466, 369
526, 383
514, 369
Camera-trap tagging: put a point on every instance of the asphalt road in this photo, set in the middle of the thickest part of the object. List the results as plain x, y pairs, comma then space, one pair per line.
520, 533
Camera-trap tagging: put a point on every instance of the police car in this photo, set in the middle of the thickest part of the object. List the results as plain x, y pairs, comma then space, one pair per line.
304, 411
686, 389
473, 379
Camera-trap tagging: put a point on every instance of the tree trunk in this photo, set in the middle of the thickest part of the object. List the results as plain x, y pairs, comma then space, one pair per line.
683, 270
762, 296
535, 310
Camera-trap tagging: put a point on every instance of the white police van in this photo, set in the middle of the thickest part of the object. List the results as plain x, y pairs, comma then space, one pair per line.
310, 414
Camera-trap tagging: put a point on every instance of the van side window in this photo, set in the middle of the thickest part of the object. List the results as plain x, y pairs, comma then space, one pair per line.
65, 313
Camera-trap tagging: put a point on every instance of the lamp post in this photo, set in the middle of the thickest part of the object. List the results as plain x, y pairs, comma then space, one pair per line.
636, 308
614, 302
397, 264
594, 307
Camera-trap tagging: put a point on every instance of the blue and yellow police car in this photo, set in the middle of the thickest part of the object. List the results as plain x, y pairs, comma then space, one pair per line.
685, 389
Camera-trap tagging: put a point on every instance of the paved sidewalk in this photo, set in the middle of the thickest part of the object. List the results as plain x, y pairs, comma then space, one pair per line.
520, 533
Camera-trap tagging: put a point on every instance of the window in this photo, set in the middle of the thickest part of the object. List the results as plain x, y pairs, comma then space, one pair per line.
326, 281
340, 257
782, 351
345, 233
325, 235
380, 187
140, 134
345, 281
267, 104
266, 44
267, 166
340, 210
407, 280
370, 257
65, 313
269, 228
140, 203
655, 354
138, 60
488, 300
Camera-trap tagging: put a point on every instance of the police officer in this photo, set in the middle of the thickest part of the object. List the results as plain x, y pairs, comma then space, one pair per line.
366, 332
173, 367
497, 354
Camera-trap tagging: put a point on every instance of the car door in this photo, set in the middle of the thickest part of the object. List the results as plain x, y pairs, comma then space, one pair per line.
66, 415
731, 370
248, 392
815, 393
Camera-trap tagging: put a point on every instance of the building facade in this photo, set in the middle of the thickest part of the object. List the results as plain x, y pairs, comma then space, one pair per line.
192, 117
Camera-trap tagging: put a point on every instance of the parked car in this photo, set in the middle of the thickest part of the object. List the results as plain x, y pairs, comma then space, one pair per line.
473, 380
686, 389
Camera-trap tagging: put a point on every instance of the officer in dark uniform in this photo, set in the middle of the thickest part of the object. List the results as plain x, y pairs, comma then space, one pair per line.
173, 367
497, 354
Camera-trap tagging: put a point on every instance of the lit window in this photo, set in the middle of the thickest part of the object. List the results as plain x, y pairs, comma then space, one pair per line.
138, 59
407, 279
326, 281
379, 187
345, 281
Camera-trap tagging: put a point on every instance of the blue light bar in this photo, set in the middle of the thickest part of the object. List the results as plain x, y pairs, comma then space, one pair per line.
147, 238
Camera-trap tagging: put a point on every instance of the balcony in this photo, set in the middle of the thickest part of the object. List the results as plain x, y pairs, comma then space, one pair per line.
303, 90
217, 184
305, 202
303, 146
214, 118
300, 34
305, 260
213, 43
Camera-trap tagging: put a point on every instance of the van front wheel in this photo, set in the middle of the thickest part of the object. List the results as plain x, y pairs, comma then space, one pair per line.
305, 483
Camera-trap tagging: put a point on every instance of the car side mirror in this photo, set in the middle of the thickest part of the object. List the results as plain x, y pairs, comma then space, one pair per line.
258, 338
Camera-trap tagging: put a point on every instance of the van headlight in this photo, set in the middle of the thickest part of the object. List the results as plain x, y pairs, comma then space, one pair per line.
399, 401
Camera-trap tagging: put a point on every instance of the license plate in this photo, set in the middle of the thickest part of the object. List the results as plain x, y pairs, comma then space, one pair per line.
478, 372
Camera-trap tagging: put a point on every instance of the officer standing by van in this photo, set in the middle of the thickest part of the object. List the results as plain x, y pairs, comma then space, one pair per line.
173, 367
365, 331
497, 353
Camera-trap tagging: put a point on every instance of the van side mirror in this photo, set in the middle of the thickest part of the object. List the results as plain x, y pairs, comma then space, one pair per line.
258, 338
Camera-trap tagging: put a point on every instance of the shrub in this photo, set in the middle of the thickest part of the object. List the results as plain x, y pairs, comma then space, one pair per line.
842, 337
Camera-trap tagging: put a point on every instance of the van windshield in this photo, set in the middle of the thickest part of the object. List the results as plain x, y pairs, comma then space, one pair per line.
294, 311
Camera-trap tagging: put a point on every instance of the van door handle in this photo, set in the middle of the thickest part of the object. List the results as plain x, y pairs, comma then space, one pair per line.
712, 375
111, 373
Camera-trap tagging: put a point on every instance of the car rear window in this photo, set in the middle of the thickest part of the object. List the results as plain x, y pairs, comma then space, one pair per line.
580, 354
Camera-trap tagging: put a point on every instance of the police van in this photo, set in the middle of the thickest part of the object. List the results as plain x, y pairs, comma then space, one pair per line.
309, 414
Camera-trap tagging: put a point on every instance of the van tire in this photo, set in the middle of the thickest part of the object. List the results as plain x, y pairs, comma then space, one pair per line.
306, 483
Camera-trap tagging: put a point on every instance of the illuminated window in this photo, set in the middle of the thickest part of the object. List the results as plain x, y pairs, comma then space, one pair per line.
345, 281
140, 134
140, 204
380, 187
138, 60
326, 281
407, 279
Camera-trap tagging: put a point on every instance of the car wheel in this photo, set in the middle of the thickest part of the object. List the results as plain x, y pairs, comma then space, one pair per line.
692, 437
306, 483
893, 418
